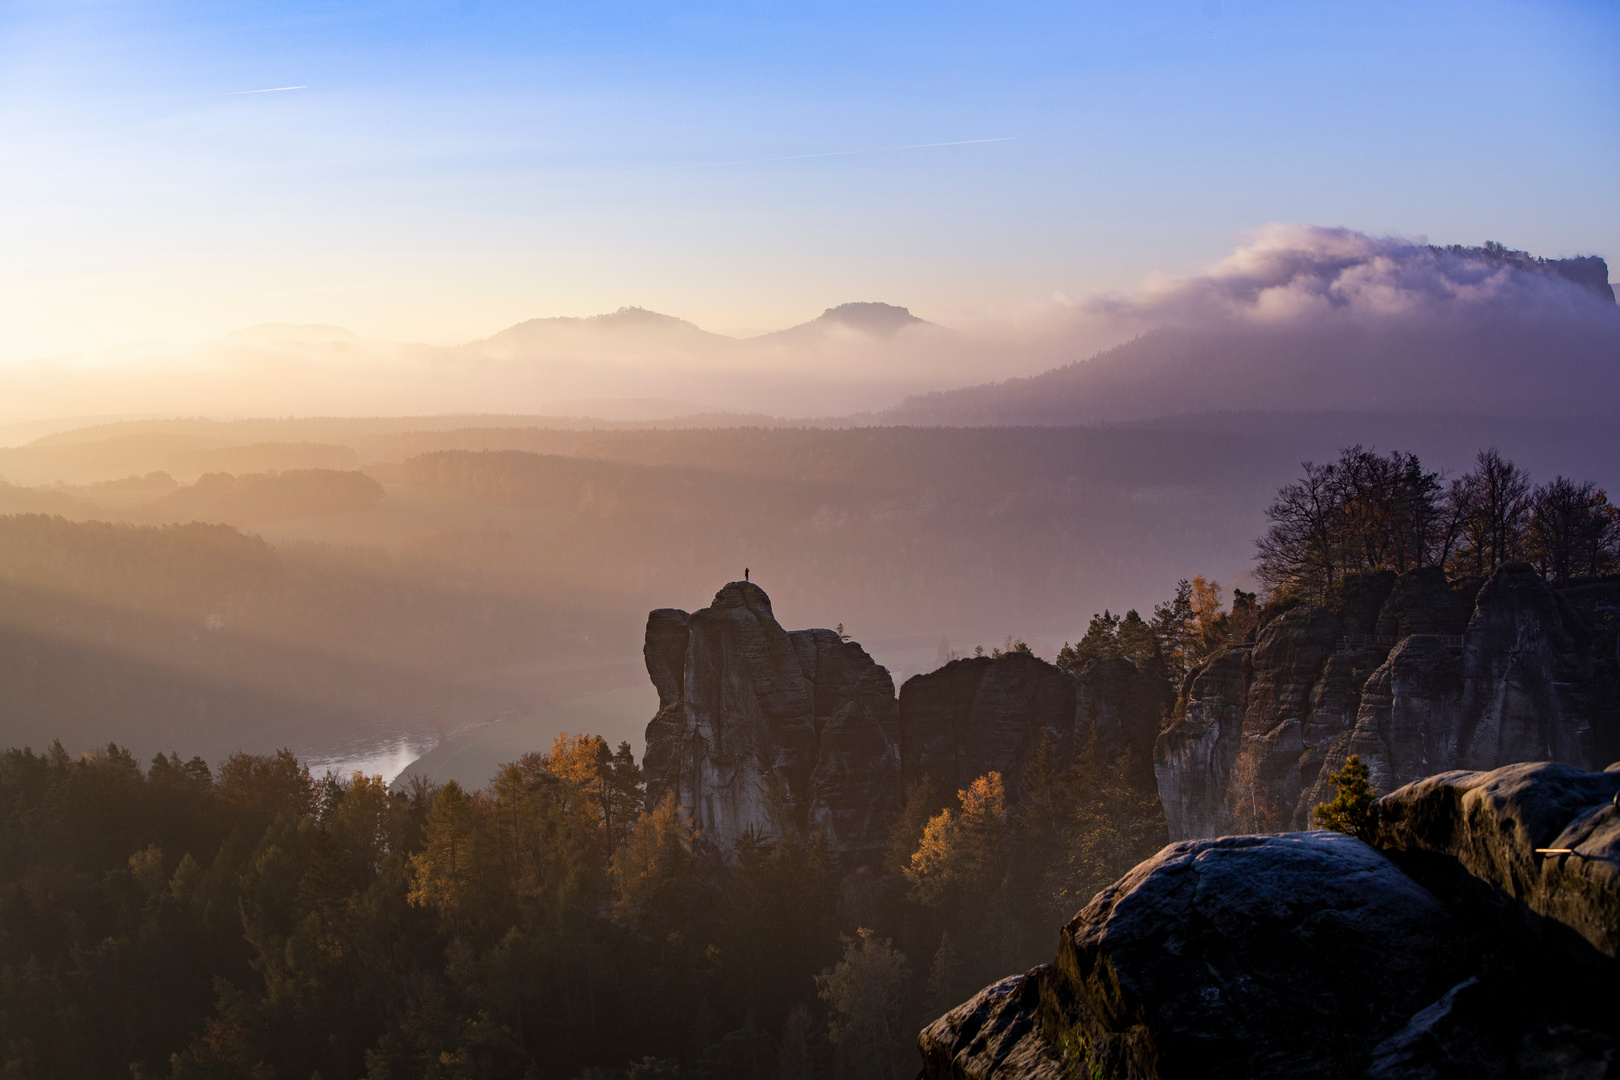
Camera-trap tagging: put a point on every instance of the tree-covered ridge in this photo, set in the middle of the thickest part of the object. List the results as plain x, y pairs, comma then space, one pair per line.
1365, 512
1182, 633
255, 921
256, 498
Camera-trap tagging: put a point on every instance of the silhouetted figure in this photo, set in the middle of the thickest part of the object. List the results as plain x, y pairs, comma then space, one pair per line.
745, 573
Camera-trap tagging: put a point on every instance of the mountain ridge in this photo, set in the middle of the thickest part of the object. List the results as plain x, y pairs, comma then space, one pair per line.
874, 318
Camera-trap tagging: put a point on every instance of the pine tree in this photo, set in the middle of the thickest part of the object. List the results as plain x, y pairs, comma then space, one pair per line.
864, 992
1351, 811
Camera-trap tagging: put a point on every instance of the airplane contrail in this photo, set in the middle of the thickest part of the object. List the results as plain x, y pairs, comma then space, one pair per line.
842, 153
266, 90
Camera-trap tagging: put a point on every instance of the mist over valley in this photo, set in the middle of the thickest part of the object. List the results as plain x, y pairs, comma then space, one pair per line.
390, 581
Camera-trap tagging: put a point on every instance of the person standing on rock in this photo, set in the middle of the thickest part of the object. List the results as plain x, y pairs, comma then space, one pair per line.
745, 573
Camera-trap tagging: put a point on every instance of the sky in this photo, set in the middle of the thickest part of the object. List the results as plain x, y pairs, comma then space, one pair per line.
444, 170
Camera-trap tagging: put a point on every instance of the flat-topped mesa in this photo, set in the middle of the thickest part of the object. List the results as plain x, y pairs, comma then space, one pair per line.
1414, 675
764, 729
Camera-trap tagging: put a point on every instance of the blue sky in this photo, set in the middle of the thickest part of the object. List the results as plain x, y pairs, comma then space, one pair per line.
449, 169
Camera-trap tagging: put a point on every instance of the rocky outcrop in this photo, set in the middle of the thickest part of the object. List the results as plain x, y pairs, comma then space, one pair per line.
1193, 759
994, 1033
1527, 675
1519, 683
1496, 827
1120, 707
1257, 724
762, 729
1455, 951
1523, 687
1424, 601
978, 714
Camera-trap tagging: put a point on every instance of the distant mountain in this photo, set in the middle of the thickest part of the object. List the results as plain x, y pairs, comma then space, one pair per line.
871, 319
851, 358
1587, 271
629, 326
1477, 331
635, 328
1297, 318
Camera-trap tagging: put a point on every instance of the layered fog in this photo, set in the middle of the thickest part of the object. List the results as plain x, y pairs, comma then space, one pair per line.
1297, 318
435, 557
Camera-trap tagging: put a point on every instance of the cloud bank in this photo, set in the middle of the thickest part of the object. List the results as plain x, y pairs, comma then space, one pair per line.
1316, 318
1298, 272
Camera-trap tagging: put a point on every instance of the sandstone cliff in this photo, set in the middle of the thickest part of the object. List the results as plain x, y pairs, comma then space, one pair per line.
983, 713
763, 728
1452, 949
979, 714
1263, 727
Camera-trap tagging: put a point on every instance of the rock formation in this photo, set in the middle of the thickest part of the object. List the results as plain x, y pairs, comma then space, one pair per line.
982, 713
1489, 826
760, 728
1263, 728
1456, 950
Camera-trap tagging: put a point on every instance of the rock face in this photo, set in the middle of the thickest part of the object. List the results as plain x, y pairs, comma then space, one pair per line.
1120, 707
984, 713
981, 714
1454, 951
763, 728
759, 728
1261, 732
1489, 825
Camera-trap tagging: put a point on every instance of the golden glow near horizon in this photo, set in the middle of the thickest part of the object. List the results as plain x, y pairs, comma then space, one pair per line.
439, 175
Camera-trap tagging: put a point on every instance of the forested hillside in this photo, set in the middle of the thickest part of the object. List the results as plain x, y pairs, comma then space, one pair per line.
249, 919
255, 921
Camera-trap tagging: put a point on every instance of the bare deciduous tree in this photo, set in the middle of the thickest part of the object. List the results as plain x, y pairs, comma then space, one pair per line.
1494, 500
1572, 530
1364, 511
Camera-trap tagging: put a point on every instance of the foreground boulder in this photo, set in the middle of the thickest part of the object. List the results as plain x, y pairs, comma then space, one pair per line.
1456, 951
1496, 828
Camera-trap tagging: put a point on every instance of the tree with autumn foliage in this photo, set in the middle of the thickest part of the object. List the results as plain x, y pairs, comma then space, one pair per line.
655, 864
443, 872
961, 871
